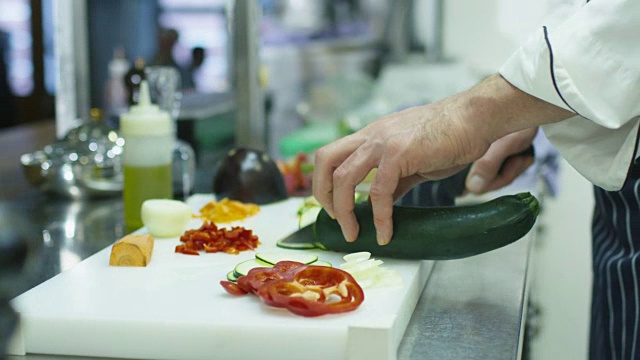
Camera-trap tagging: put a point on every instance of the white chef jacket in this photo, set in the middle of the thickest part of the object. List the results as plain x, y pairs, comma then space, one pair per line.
588, 62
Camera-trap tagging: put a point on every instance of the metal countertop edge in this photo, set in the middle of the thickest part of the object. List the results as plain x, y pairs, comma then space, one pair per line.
437, 332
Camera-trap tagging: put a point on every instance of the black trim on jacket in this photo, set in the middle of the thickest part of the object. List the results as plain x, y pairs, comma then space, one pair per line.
553, 76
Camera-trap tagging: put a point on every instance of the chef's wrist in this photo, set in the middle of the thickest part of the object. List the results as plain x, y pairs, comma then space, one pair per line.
495, 108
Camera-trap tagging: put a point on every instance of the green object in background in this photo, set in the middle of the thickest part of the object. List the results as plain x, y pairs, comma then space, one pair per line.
215, 132
309, 138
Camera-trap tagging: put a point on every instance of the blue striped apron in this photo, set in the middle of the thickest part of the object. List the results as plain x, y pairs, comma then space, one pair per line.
615, 311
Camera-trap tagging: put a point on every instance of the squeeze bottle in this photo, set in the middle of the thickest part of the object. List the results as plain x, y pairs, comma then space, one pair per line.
149, 139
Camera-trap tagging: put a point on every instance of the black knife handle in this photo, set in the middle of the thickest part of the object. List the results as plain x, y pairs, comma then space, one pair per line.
443, 192
454, 185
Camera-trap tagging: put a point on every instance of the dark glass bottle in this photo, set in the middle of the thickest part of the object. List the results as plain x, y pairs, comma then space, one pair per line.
132, 80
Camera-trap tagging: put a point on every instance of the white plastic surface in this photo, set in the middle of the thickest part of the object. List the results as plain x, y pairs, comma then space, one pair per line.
176, 309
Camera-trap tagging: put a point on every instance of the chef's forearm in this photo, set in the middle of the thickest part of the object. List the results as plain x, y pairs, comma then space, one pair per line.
495, 108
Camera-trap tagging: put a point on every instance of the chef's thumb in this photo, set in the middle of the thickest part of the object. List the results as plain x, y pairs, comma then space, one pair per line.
475, 183
480, 176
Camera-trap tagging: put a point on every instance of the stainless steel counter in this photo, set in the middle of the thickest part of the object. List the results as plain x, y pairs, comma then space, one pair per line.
473, 308
470, 308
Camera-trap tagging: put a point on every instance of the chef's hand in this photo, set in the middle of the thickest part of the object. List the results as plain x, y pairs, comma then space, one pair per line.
496, 169
428, 142
409, 147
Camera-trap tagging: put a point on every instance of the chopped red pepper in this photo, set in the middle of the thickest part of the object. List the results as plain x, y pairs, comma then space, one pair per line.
184, 250
302, 289
209, 238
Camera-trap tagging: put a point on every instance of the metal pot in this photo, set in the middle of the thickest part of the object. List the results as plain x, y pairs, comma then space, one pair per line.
86, 163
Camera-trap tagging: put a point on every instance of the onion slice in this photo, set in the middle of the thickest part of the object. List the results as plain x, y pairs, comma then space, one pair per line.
369, 272
165, 218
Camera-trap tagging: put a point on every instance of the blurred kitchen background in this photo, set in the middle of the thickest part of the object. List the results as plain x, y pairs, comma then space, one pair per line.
286, 76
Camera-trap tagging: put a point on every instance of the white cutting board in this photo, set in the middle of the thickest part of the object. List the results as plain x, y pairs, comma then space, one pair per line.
175, 308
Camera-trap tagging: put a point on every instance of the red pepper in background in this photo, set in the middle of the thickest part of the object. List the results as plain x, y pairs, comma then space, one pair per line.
297, 173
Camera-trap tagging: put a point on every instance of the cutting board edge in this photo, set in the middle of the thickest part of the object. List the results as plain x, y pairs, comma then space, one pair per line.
380, 338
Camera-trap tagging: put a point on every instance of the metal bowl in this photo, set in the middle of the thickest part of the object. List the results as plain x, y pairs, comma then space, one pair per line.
86, 163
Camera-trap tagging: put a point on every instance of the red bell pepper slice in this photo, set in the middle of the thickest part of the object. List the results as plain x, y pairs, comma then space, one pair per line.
315, 291
232, 288
302, 289
257, 277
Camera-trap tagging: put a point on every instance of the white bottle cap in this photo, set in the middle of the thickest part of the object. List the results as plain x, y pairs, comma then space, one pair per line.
145, 118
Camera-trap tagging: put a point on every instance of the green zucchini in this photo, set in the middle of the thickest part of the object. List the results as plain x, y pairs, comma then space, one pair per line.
437, 233
269, 260
231, 276
274, 258
321, 263
244, 267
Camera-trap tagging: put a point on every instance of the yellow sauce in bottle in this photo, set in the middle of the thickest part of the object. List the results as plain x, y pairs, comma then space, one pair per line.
143, 183
147, 156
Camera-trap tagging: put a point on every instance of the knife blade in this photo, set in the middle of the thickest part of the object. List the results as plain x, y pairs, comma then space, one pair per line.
303, 238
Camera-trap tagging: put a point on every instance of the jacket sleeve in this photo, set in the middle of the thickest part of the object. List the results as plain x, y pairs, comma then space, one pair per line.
588, 63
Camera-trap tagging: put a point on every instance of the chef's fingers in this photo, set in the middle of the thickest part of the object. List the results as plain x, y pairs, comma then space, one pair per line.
327, 159
381, 194
511, 169
346, 177
487, 172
